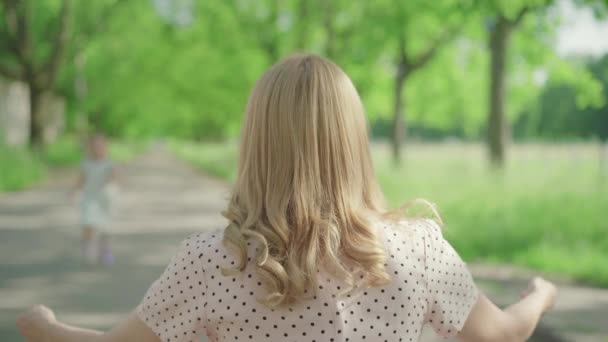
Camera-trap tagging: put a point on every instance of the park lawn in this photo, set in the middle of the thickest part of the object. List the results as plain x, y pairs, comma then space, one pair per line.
216, 159
21, 168
544, 211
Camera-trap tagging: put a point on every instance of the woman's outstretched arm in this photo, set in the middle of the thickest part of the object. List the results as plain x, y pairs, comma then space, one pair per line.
516, 323
39, 324
159, 314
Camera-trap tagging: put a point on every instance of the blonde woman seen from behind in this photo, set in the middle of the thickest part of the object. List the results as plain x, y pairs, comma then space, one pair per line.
310, 253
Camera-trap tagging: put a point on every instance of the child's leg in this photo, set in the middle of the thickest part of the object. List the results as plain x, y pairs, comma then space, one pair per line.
88, 246
105, 252
88, 233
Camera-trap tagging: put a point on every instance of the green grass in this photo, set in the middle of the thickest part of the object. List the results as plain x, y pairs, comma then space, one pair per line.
216, 159
124, 150
21, 168
546, 210
65, 151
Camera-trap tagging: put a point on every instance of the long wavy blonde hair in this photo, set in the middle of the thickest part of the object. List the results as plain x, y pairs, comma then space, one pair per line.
306, 188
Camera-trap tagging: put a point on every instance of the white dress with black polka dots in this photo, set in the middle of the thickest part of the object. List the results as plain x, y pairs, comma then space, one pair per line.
430, 285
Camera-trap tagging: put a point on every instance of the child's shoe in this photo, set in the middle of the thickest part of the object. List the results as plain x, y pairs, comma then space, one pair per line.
106, 258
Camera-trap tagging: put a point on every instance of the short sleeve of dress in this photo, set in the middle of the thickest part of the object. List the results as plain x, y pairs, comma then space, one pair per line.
451, 290
174, 306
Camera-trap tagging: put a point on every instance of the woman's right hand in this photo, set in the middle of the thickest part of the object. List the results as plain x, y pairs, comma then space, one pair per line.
544, 287
36, 323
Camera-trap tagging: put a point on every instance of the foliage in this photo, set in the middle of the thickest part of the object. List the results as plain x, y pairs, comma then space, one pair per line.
164, 76
217, 159
124, 150
64, 152
141, 87
545, 211
19, 169
563, 111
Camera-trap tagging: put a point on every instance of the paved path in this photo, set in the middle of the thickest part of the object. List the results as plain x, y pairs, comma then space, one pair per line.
162, 202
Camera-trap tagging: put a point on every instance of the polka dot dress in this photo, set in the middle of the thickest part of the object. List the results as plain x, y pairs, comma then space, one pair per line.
430, 285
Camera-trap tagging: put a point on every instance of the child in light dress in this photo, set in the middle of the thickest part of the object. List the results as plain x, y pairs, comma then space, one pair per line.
95, 183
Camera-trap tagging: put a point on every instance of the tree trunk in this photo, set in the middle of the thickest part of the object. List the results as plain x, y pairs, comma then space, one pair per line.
271, 43
330, 29
497, 123
399, 122
603, 149
80, 90
36, 122
303, 27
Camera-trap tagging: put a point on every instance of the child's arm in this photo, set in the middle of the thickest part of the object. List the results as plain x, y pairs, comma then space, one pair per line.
116, 175
78, 185
39, 324
488, 323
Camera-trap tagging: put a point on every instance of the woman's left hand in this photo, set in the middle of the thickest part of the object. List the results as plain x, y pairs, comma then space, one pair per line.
35, 324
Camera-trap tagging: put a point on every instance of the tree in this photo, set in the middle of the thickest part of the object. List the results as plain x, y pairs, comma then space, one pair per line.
417, 31
341, 22
566, 112
500, 34
406, 65
260, 20
505, 18
39, 38
596, 118
90, 21
303, 23
144, 88
25, 60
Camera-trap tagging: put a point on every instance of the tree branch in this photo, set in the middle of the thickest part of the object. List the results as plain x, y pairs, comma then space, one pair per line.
303, 11
86, 33
520, 16
422, 59
24, 34
345, 34
14, 25
10, 16
5, 43
9, 73
402, 60
329, 27
402, 57
270, 37
60, 43
525, 10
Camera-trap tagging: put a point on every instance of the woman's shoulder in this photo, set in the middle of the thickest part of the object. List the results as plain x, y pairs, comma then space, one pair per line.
205, 248
212, 236
410, 227
202, 241
409, 237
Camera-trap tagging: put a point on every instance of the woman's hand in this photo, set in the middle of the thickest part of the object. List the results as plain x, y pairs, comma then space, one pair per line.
544, 287
39, 325
36, 323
